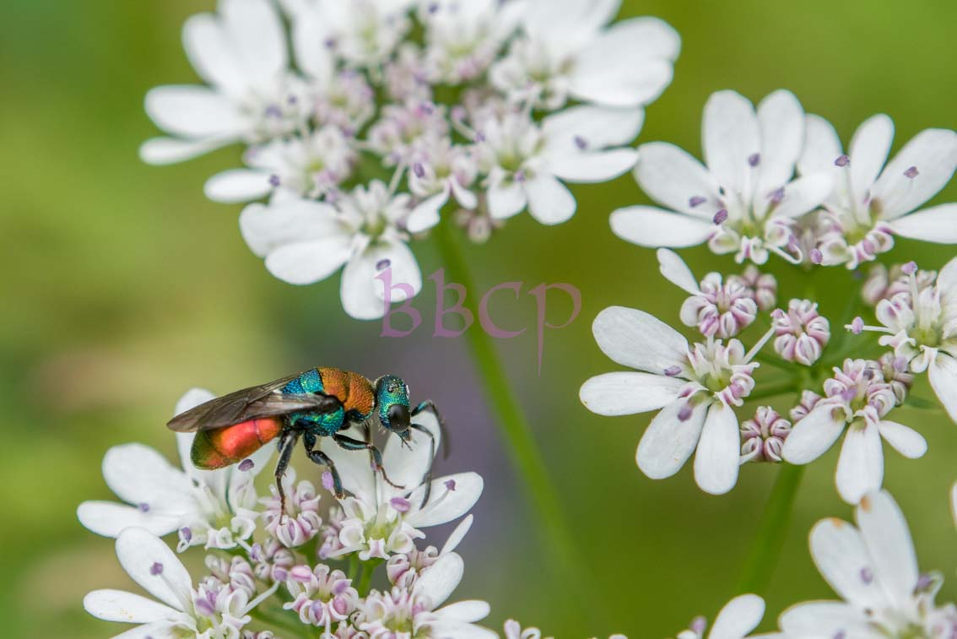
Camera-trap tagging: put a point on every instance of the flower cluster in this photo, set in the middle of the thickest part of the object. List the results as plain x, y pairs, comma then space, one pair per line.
872, 567
699, 386
776, 181
388, 111
305, 567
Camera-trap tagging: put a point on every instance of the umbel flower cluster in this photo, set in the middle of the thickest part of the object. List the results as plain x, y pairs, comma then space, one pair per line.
389, 112
300, 572
768, 191
873, 569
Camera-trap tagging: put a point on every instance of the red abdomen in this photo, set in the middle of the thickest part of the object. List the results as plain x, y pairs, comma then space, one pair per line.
222, 447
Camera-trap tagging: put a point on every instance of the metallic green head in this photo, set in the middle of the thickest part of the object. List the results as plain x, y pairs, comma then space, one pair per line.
392, 405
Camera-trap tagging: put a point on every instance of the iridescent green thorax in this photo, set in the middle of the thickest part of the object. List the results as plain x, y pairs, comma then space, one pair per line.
323, 423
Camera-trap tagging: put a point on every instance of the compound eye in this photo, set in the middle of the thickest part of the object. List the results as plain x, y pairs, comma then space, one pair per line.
398, 418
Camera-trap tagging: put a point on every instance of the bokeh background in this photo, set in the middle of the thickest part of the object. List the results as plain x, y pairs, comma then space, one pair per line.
122, 287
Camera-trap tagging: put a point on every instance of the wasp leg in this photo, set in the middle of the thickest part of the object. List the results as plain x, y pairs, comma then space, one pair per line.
355, 444
287, 443
316, 456
427, 478
429, 405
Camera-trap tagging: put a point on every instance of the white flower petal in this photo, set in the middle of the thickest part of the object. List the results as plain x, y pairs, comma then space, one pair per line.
905, 440
654, 228
565, 24
407, 464
822, 146
739, 616
549, 201
370, 266
151, 564
675, 179
942, 374
627, 393
460, 630
161, 151
805, 194
716, 461
439, 580
860, 468
592, 167
266, 228
309, 37
466, 611
868, 153
308, 262
824, 619
447, 501
730, 136
888, 540
457, 535
591, 127
812, 436
156, 630
639, 340
192, 111
425, 215
211, 53
618, 81
237, 185
506, 200
140, 475
258, 36
781, 120
841, 556
110, 519
125, 607
668, 442
638, 39
933, 152
674, 269
936, 224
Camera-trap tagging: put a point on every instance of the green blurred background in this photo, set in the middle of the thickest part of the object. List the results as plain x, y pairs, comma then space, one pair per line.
122, 287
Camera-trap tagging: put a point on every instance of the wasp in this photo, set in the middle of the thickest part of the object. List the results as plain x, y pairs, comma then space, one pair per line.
317, 403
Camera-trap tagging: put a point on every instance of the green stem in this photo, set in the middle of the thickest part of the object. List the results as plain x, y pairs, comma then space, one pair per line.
772, 390
772, 529
279, 620
511, 421
365, 576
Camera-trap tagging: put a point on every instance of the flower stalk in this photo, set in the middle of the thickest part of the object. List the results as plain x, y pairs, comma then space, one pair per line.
511, 421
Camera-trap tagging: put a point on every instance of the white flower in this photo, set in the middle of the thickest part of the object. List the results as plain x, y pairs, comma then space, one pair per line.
694, 388
857, 399
415, 612
736, 619
213, 508
869, 205
922, 326
304, 242
745, 201
801, 332
309, 167
715, 307
462, 37
181, 611
363, 33
873, 567
527, 163
377, 519
440, 170
566, 52
241, 53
